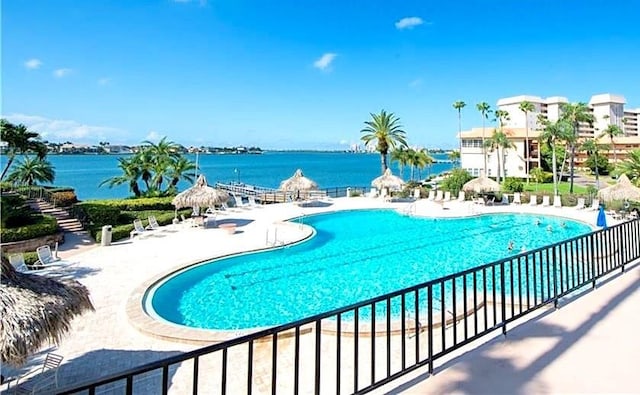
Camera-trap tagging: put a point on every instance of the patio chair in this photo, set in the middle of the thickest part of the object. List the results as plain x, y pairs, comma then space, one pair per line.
17, 261
533, 200
38, 380
252, 202
139, 230
46, 259
461, 196
580, 204
187, 221
373, 193
557, 202
517, 198
432, 195
439, 195
154, 225
447, 196
595, 205
545, 201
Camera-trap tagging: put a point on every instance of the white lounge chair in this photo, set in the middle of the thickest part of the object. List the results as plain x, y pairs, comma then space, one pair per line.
188, 222
595, 205
153, 223
517, 198
580, 204
545, 201
139, 230
557, 202
533, 200
253, 203
439, 195
373, 193
432, 195
17, 261
40, 379
46, 259
461, 196
447, 196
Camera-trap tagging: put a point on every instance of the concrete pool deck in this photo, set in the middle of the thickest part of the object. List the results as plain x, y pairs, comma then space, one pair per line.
106, 342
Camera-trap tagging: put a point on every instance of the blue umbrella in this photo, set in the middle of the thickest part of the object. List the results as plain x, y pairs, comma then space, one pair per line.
602, 218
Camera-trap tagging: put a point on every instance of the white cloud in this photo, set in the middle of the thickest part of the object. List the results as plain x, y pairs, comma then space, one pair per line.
33, 64
59, 73
104, 81
344, 142
415, 83
153, 136
409, 22
56, 130
324, 61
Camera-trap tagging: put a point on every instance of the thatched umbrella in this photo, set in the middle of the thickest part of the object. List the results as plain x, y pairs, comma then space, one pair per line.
621, 190
481, 184
298, 182
200, 195
35, 309
387, 180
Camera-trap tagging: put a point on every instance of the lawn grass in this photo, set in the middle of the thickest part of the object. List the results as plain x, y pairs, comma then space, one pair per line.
563, 188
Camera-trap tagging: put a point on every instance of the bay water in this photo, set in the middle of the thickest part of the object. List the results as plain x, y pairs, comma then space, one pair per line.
328, 169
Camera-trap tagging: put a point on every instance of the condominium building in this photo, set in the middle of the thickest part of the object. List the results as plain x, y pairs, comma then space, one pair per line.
607, 109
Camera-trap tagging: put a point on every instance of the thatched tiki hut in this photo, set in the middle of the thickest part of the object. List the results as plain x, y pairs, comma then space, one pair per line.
621, 190
388, 180
481, 184
200, 195
35, 309
298, 182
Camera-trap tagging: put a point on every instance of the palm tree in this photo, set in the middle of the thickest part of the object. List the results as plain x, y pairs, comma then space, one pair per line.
631, 167
526, 107
501, 116
30, 171
591, 147
553, 134
612, 131
499, 142
459, 105
19, 140
400, 155
574, 114
454, 156
181, 168
385, 129
131, 173
485, 110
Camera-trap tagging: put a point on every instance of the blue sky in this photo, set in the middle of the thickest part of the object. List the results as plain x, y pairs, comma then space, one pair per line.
299, 73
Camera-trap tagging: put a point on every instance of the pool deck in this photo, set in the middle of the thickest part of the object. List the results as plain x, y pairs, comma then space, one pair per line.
581, 347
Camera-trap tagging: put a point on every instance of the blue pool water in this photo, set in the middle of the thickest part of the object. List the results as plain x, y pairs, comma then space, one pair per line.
355, 255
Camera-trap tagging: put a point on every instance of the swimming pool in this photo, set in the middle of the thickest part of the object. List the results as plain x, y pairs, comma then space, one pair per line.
355, 255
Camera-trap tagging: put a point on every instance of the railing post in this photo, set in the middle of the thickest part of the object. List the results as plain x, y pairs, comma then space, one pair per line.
503, 302
430, 326
555, 278
593, 260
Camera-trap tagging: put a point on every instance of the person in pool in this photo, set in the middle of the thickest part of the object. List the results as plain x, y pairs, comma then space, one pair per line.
510, 246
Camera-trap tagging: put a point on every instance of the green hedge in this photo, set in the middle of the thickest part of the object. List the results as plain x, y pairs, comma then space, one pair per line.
98, 214
64, 198
43, 225
163, 203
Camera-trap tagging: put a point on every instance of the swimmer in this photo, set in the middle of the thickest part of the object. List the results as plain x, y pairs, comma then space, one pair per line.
563, 224
549, 228
537, 221
510, 246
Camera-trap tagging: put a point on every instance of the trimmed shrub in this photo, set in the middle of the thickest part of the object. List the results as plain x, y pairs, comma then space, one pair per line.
161, 203
98, 214
64, 198
43, 225
512, 184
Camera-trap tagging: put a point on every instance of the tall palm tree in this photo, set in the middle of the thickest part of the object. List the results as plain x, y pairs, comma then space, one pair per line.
19, 140
501, 116
499, 142
631, 167
555, 133
612, 131
526, 107
400, 155
591, 147
454, 156
181, 168
30, 171
485, 110
574, 114
386, 131
459, 105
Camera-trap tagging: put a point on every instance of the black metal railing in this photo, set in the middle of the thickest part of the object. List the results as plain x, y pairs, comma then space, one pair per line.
361, 347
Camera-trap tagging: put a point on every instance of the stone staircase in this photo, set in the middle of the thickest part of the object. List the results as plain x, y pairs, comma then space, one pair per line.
66, 223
